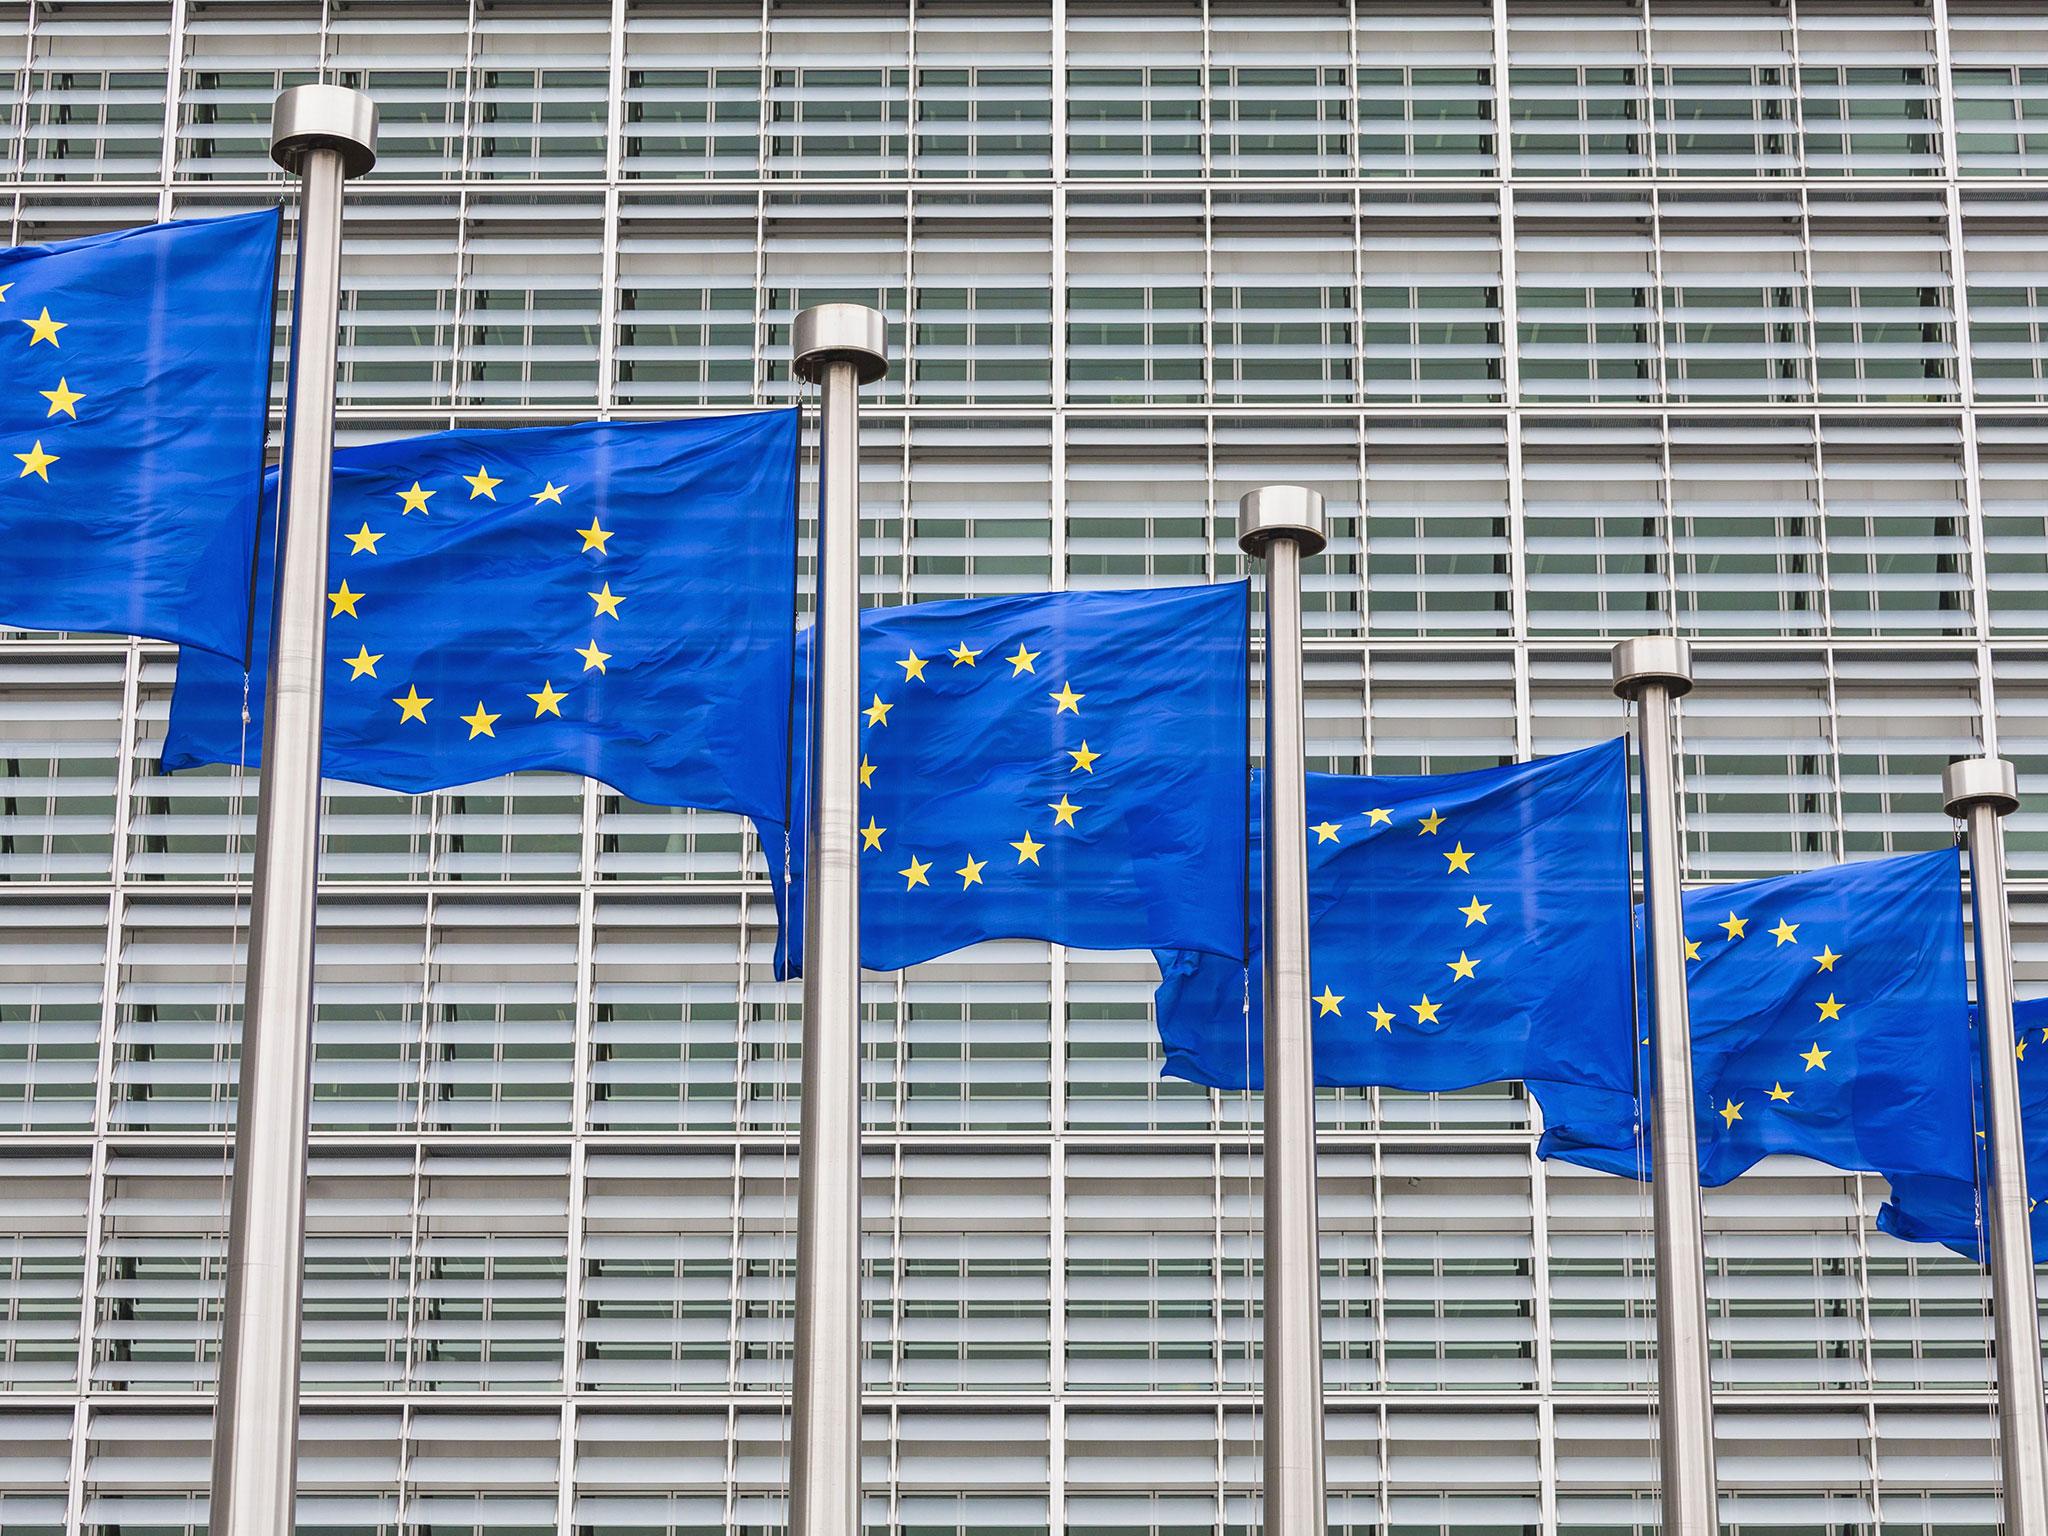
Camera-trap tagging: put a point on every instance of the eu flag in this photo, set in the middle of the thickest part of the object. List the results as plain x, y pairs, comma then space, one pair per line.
135, 413
611, 599
1462, 929
1068, 766
1829, 1020
1932, 1210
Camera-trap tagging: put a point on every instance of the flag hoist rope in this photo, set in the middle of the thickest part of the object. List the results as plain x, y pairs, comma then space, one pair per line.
1285, 524
840, 347
327, 135
1980, 792
1654, 670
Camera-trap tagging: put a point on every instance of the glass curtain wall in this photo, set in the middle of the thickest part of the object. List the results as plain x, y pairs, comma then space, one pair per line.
1588, 317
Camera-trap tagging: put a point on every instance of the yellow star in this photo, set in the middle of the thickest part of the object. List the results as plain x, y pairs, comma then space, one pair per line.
363, 663
414, 500
362, 539
1461, 861
1021, 662
1692, 949
1084, 760
1325, 831
1730, 1111
1475, 911
483, 483
1826, 959
1816, 1057
344, 602
593, 538
36, 462
3, 291
1430, 823
1784, 932
1463, 966
412, 706
1379, 818
593, 657
2020, 1050
878, 712
915, 875
867, 774
970, 872
1063, 813
481, 722
43, 328
962, 656
1780, 1092
1067, 699
2044, 1035
607, 603
1425, 1011
913, 667
63, 398
1027, 849
552, 492
1829, 1009
547, 701
1381, 1019
1734, 925
871, 835
1328, 1002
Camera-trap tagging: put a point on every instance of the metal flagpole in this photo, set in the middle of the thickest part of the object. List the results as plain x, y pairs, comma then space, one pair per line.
1653, 670
1285, 524
1980, 791
327, 135
839, 347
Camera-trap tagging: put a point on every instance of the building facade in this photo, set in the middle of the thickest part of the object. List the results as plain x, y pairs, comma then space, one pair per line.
1588, 317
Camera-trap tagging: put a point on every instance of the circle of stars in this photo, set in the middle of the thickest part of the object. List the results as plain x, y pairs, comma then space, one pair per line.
42, 331
1457, 861
483, 719
1066, 811
1735, 930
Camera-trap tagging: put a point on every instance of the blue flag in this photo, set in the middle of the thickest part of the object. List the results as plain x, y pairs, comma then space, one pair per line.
612, 600
1462, 929
135, 419
1947, 1211
1069, 766
1829, 1020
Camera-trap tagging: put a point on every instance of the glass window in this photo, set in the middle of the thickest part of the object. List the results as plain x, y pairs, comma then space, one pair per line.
1578, 89
1585, 301
1724, 92
838, 96
692, 94
1427, 105
1432, 307
1134, 92
984, 93
97, 82
1867, 92
1280, 93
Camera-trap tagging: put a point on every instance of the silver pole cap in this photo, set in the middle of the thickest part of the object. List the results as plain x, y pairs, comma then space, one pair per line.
1281, 512
1975, 781
1651, 659
840, 333
310, 117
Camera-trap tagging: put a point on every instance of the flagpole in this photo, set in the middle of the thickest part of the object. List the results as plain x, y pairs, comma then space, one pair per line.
1653, 670
839, 347
327, 135
1285, 525
1980, 792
